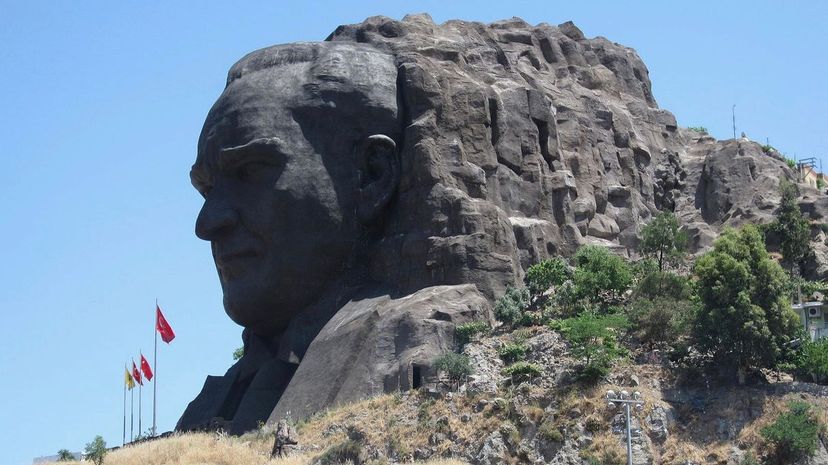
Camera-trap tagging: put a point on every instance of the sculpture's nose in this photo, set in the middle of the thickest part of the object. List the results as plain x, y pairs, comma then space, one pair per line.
215, 218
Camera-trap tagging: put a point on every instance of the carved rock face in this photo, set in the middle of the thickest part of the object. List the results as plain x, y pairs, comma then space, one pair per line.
277, 165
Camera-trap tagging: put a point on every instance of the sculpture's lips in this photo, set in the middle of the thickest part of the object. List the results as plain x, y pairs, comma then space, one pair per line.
229, 259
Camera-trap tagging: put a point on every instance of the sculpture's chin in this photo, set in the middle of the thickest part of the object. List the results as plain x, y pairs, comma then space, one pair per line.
255, 314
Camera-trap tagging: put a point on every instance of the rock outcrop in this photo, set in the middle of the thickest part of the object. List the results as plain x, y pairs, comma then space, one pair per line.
354, 184
560, 134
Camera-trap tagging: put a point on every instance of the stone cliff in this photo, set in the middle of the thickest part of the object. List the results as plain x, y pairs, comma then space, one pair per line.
559, 137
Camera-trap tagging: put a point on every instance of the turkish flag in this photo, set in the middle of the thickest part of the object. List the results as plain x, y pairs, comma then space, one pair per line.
136, 374
145, 368
162, 326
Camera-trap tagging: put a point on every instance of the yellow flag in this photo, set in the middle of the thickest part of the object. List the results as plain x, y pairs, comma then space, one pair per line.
130, 383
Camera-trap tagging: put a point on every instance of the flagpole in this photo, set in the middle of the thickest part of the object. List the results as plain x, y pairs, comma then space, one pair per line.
123, 440
131, 415
155, 366
140, 385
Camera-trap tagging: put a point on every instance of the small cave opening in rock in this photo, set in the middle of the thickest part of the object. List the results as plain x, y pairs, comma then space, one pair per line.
416, 377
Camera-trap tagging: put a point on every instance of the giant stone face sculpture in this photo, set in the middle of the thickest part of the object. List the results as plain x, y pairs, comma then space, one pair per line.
365, 194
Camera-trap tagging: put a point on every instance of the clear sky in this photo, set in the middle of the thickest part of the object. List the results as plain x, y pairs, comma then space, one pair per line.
101, 104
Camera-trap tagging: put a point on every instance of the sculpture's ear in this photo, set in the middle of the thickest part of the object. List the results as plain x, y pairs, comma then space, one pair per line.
379, 175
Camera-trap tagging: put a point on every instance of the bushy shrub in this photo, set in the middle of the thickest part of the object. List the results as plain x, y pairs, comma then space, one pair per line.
542, 276
699, 129
549, 431
512, 352
813, 360
661, 320
456, 366
600, 277
509, 308
592, 339
65, 456
794, 434
791, 163
338, 454
467, 331
523, 370
663, 284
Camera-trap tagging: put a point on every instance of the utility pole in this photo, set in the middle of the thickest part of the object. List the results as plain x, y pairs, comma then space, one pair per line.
623, 398
733, 111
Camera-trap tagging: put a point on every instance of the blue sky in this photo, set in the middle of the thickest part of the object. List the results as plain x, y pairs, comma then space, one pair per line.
101, 107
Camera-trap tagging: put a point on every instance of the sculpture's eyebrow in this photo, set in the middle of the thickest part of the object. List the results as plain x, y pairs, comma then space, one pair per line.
265, 149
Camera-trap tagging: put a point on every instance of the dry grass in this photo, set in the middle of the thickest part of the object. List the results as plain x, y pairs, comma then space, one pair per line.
196, 448
204, 449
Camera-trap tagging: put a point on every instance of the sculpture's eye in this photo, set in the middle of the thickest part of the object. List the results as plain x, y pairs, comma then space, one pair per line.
253, 171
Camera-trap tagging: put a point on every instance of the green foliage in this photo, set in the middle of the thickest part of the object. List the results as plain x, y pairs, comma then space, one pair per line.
467, 331
769, 148
593, 340
663, 284
643, 268
456, 366
794, 434
550, 431
745, 319
699, 129
65, 456
238, 353
542, 276
95, 450
600, 277
813, 360
664, 240
820, 183
512, 352
661, 321
509, 308
791, 163
523, 370
344, 452
792, 227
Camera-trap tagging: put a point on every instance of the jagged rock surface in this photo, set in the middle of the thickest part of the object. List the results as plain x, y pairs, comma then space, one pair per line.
559, 137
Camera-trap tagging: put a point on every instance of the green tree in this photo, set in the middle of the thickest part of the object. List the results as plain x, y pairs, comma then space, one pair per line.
745, 319
65, 456
664, 240
792, 227
456, 366
794, 434
592, 339
661, 321
600, 277
510, 307
542, 276
238, 353
814, 360
96, 450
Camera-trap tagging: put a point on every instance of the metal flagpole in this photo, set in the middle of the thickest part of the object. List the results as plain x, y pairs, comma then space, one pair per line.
139, 408
123, 440
131, 414
155, 366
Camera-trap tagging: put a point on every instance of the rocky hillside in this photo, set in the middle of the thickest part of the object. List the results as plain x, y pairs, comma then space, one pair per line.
495, 420
559, 137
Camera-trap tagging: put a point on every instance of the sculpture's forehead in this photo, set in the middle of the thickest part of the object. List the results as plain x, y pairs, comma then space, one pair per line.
256, 106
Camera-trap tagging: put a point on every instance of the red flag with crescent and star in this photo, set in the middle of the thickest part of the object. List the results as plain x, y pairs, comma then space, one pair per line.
145, 368
162, 326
